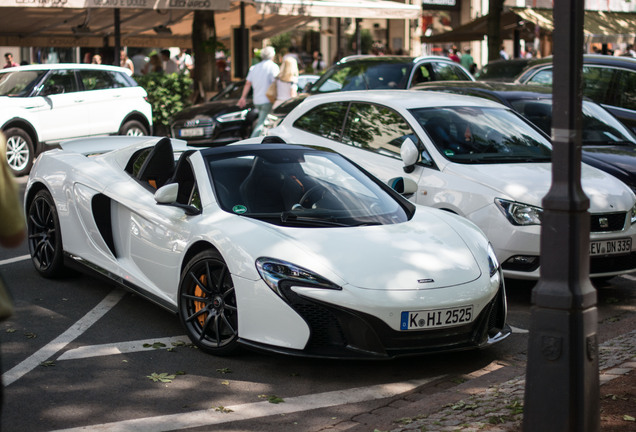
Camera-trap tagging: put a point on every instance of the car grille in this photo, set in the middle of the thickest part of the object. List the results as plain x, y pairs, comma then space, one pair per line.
607, 222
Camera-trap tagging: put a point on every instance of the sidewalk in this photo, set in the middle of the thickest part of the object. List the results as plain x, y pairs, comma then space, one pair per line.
493, 401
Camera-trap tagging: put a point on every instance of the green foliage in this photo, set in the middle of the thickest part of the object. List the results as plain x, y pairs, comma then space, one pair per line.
281, 42
168, 94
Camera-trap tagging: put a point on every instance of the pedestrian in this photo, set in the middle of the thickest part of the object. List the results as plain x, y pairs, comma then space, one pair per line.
467, 60
318, 63
184, 61
140, 60
169, 66
12, 226
293, 52
286, 81
97, 59
452, 54
9, 61
503, 54
154, 65
125, 62
259, 78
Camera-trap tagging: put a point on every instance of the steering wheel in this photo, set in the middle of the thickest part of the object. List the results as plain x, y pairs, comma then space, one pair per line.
312, 196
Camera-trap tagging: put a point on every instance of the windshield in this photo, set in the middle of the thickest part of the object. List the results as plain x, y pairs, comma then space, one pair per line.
599, 126
19, 84
363, 76
482, 135
300, 188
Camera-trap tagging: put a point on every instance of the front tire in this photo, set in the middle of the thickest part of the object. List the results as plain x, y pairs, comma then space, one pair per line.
207, 304
133, 128
45, 236
20, 151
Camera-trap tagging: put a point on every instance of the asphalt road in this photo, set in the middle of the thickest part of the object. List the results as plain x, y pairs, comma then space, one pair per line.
81, 354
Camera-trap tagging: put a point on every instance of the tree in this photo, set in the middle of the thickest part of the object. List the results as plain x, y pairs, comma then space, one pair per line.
204, 44
495, 8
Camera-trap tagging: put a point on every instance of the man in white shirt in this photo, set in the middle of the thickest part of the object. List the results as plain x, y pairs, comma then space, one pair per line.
169, 66
184, 61
259, 78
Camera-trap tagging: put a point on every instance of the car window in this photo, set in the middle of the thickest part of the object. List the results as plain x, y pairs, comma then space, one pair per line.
543, 77
363, 76
19, 84
482, 135
625, 94
136, 161
325, 120
376, 128
58, 82
597, 81
99, 80
448, 72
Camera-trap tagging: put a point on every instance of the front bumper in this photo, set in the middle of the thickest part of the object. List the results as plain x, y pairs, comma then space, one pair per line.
339, 332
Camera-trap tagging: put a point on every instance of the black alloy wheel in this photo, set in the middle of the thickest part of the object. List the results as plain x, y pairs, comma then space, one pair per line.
44, 236
207, 304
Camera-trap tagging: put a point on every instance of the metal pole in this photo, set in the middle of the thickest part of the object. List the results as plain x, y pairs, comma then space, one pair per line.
117, 37
562, 382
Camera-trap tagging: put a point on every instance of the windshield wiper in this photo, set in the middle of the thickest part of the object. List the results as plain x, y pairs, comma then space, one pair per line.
288, 216
523, 158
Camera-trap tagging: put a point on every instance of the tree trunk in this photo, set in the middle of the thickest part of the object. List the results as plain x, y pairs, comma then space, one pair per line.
204, 49
495, 8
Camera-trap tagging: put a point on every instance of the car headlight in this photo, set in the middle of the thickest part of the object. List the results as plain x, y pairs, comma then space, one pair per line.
234, 116
275, 271
633, 218
519, 213
493, 263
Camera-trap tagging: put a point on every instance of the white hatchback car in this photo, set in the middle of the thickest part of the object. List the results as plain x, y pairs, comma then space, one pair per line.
469, 156
41, 105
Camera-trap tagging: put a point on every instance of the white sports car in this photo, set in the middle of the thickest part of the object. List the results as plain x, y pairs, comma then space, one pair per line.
285, 248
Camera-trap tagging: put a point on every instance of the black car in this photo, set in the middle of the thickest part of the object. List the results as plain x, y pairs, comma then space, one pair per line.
607, 80
606, 143
502, 70
220, 121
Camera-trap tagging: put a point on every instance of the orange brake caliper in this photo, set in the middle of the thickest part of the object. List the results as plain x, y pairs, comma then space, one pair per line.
200, 305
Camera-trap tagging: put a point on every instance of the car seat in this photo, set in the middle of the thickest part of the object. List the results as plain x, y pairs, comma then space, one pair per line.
261, 189
159, 165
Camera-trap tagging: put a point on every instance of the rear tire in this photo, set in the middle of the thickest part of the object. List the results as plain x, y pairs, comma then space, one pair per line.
20, 151
45, 236
133, 128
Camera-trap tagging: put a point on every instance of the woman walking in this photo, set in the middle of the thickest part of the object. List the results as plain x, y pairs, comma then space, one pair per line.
286, 81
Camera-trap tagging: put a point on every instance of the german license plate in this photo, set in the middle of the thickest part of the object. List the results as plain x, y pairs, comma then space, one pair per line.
436, 318
611, 247
191, 132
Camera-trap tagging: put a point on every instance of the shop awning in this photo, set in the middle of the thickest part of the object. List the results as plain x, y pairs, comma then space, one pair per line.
167, 23
599, 26
340, 9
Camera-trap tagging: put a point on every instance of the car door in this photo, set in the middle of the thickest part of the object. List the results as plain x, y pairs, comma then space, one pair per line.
150, 238
61, 107
109, 99
622, 98
368, 134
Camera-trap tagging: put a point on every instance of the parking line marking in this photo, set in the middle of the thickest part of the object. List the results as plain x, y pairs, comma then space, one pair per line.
15, 259
254, 410
122, 347
64, 339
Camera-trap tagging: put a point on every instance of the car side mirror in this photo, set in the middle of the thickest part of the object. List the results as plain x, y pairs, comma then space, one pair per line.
167, 195
403, 185
409, 154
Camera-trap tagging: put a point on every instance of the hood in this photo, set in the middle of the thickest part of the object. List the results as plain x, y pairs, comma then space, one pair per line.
529, 183
424, 253
618, 160
210, 109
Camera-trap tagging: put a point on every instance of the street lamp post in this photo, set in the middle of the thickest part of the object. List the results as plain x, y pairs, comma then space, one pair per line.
562, 383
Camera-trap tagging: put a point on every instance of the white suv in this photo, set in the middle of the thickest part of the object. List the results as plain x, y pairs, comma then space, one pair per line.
41, 105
